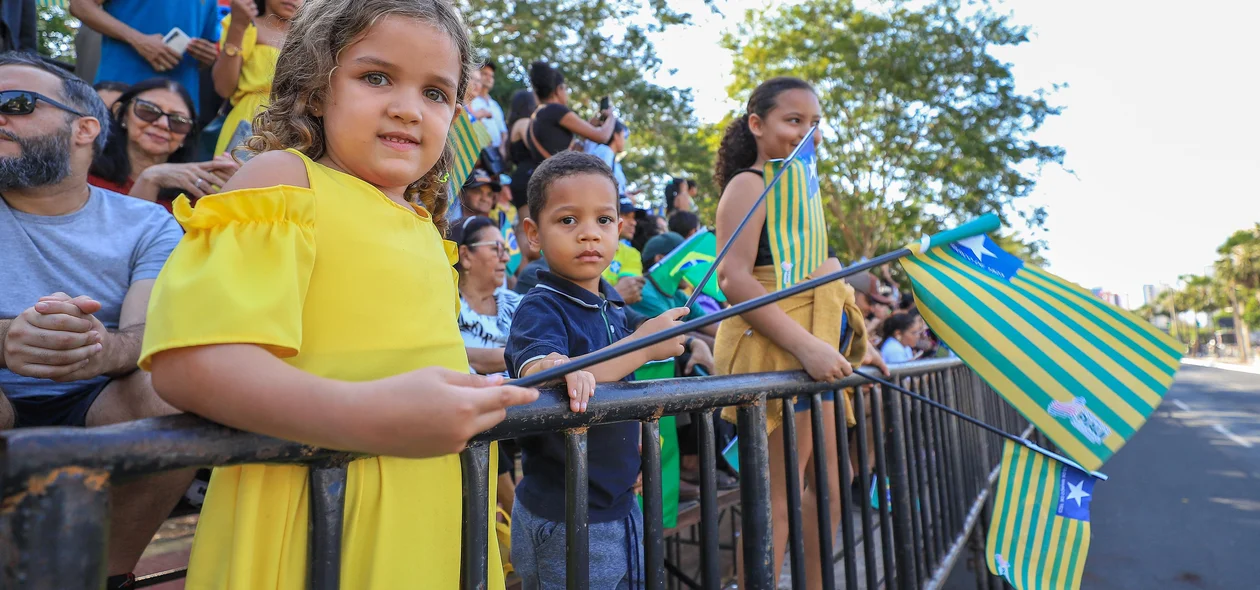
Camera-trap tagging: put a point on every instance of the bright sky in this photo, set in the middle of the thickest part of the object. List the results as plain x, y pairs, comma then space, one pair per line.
1156, 129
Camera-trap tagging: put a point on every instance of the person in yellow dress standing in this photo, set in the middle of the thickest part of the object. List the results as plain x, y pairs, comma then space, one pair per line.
314, 300
252, 37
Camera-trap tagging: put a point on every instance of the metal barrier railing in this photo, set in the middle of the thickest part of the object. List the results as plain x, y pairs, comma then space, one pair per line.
931, 475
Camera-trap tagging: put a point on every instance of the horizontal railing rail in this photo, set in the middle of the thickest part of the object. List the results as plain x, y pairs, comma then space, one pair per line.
929, 474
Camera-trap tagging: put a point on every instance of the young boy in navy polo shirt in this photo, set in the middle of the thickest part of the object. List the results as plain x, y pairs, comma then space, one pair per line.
573, 312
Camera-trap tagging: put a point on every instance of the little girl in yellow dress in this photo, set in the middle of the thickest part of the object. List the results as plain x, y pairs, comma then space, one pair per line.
314, 300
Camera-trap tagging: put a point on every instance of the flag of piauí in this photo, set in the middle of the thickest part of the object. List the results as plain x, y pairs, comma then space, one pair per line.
1086, 373
1039, 535
690, 261
795, 224
467, 138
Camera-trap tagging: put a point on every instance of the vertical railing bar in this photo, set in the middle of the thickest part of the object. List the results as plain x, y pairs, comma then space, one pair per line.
886, 531
710, 560
846, 493
653, 508
902, 510
792, 479
822, 480
474, 463
754, 492
864, 467
945, 470
576, 504
327, 512
56, 538
946, 500
916, 458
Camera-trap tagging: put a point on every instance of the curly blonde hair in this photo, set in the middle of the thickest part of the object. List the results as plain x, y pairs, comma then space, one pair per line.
320, 31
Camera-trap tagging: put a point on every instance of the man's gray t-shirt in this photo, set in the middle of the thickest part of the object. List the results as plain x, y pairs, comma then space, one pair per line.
98, 251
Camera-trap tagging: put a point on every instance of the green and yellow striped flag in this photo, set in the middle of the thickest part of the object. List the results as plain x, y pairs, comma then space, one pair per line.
1039, 535
467, 138
794, 217
1087, 374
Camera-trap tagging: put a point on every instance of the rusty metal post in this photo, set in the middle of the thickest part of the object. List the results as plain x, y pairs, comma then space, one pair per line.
653, 508
328, 507
58, 531
474, 463
754, 495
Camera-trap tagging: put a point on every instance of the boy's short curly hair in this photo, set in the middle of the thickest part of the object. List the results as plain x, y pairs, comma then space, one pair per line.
563, 165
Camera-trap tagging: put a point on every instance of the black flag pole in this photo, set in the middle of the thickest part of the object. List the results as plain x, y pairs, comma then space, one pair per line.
974, 227
976, 421
809, 136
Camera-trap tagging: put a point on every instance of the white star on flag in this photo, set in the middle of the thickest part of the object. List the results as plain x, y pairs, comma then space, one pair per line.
976, 245
1076, 492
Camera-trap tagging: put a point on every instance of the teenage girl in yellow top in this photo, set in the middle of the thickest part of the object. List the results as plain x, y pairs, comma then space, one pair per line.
803, 331
252, 37
314, 300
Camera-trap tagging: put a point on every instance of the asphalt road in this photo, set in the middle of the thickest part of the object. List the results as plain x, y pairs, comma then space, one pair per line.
1182, 507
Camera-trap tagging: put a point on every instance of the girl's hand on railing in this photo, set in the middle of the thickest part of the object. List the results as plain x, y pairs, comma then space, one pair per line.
822, 361
874, 359
435, 411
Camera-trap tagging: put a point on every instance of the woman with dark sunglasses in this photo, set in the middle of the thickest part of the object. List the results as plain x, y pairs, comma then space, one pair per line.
152, 145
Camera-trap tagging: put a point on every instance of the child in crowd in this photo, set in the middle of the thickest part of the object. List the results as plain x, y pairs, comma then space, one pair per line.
335, 307
573, 312
901, 332
821, 331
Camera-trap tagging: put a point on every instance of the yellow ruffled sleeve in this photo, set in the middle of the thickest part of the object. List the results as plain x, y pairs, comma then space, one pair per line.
239, 275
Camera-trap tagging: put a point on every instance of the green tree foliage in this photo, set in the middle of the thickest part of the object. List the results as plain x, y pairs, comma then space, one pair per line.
56, 33
603, 49
923, 125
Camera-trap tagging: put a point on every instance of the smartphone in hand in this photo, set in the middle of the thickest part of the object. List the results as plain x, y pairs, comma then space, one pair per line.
177, 40
605, 103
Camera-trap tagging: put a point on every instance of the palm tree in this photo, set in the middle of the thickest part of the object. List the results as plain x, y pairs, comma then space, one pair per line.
1238, 269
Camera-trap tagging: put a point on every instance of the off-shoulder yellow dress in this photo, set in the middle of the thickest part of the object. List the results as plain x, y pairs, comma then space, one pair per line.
302, 272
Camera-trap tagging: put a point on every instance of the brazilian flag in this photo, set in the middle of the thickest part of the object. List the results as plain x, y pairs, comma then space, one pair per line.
467, 138
1086, 373
1039, 535
670, 457
689, 261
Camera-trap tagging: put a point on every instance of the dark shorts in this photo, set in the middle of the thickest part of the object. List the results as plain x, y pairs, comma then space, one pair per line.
69, 409
802, 401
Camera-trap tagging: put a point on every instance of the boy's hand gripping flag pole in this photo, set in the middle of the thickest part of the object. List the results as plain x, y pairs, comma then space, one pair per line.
698, 289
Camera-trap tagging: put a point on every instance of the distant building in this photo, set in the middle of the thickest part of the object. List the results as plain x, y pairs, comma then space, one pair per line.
1112, 298
1152, 292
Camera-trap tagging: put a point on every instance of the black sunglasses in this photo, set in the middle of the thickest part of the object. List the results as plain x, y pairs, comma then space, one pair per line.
22, 102
150, 113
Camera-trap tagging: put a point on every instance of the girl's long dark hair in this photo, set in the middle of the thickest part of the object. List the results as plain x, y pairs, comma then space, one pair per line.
524, 103
112, 163
897, 322
545, 79
739, 146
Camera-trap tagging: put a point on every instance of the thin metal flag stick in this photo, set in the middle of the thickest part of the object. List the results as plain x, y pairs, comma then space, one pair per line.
697, 289
995, 430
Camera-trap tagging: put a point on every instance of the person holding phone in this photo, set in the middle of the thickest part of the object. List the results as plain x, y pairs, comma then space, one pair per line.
134, 34
553, 124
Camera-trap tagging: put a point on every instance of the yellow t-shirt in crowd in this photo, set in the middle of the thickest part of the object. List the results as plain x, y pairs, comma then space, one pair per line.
299, 272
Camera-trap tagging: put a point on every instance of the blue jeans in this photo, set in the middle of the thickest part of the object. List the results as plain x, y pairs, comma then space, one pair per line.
616, 551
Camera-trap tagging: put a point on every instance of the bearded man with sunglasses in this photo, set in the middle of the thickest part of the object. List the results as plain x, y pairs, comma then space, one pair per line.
77, 264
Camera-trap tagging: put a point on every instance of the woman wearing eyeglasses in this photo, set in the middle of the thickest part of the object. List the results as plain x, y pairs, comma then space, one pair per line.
151, 145
486, 307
